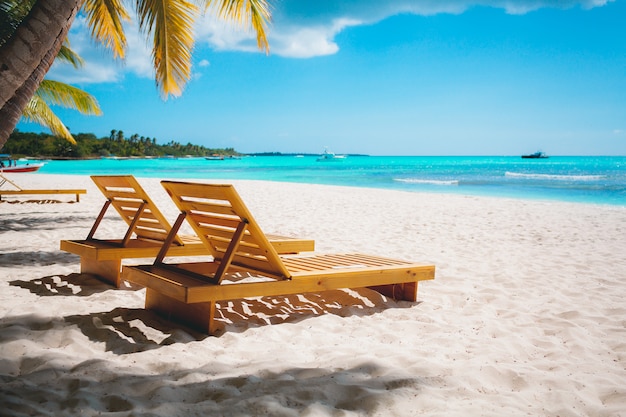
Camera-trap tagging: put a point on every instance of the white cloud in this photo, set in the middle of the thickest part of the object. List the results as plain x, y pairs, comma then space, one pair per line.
300, 29
196, 75
309, 41
308, 29
222, 36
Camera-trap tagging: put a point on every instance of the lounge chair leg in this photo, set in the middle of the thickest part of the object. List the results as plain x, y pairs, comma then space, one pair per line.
108, 271
405, 292
199, 316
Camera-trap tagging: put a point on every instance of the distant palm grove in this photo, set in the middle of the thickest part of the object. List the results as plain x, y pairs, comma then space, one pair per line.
89, 146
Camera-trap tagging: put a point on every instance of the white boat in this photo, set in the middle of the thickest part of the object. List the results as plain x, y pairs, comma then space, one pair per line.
330, 156
8, 165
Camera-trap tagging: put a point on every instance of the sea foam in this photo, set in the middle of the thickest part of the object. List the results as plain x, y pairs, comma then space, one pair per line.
422, 181
555, 177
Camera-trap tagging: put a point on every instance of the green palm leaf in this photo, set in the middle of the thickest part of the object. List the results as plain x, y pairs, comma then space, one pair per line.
39, 112
253, 13
54, 92
170, 24
12, 12
65, 95
105, 19
68, 55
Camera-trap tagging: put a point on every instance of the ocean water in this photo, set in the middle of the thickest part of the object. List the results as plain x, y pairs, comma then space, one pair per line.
599, 180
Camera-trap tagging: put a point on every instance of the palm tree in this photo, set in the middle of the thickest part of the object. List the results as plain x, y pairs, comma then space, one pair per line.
28, 53
49, 91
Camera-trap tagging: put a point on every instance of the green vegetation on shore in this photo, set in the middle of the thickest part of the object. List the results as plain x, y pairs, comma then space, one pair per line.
44, 145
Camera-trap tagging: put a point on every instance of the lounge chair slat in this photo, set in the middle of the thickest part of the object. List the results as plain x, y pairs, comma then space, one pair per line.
210, 207
205, 220
110, 181
221, 234
153, 233
150, 224
245, 247
218, 231
123, 195
131, 207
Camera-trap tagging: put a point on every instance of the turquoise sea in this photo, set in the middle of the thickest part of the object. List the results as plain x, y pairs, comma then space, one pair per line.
600, 180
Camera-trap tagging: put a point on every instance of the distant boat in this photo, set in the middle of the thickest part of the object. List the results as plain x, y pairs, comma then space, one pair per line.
536, 155
214, 157
8, 165
330, 156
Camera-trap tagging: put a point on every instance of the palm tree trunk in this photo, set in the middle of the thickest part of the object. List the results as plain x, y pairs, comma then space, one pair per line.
27, 56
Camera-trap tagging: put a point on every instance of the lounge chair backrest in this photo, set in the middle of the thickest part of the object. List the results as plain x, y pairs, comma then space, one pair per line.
134, 206
221, 220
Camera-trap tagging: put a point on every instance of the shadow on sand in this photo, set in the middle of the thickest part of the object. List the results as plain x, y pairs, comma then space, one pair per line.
125, 330
95, 386
50, 381
36, 258
41, 221
128, 330
80, 285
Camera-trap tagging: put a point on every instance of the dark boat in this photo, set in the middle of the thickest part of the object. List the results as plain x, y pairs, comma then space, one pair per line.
536, 155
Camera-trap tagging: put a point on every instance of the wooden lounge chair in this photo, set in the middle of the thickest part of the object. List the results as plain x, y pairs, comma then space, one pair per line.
246, 264
146, 233
17, 190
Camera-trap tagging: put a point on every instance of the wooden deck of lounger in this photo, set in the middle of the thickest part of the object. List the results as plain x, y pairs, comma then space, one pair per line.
147, 231
76, 192
17, 190
241, 251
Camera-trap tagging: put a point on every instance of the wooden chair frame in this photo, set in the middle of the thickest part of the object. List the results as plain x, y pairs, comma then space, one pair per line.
21, 191
147, 231
240, 250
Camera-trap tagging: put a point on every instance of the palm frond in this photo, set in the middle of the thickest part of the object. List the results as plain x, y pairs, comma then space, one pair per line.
39, 112
65, 95
254, 14
12, 12
105, 20
68, 55
170, 24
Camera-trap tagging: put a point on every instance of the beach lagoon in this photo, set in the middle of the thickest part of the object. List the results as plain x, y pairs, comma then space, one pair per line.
590, 179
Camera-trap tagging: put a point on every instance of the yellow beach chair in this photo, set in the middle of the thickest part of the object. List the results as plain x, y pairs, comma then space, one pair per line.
246, 264
147, 230
14, 189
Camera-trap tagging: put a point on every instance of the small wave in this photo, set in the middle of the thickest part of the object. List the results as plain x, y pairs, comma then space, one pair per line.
555, 177
432, 182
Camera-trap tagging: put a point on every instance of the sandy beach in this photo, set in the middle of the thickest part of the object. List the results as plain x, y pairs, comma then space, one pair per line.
526, 315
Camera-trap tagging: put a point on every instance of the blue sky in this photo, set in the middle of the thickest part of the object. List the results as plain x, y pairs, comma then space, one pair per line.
435, 77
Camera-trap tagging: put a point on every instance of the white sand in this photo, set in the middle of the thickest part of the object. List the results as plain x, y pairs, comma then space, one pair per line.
526, 316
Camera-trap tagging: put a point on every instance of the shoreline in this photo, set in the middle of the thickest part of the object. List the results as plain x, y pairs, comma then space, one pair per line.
525, 315
588, 180
34, 180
